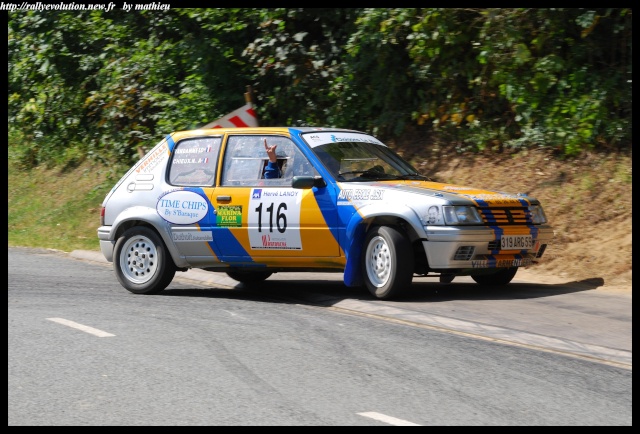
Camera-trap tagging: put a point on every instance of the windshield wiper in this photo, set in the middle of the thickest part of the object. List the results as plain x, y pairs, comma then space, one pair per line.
378, 173
371, 172
371, 175
352, 172
413, 176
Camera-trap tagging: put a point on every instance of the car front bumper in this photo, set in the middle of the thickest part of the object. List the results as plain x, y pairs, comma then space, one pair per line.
477, 247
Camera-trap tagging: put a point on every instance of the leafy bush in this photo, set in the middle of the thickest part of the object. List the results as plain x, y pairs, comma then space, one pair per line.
108, 86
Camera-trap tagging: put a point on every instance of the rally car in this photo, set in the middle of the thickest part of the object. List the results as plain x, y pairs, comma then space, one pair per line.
343, 202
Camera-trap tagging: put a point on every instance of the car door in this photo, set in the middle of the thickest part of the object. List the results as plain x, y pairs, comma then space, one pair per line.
267, 220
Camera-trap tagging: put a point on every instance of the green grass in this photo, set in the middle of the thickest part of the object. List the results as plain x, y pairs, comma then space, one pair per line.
57, 209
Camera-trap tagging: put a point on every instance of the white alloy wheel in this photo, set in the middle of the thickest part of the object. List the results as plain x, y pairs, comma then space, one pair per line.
142, 262
387, 263
378, 261
138, 259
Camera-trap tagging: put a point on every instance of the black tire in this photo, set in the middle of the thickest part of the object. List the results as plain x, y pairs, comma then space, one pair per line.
499, 278
141, 262
249, 277
387, 262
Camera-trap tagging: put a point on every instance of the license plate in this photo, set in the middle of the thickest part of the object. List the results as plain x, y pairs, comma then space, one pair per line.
516, 242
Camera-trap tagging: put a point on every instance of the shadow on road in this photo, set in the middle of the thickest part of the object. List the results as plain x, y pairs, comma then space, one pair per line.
327, 292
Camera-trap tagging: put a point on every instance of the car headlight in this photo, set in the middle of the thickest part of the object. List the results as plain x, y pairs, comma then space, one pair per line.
461, 215
537, 214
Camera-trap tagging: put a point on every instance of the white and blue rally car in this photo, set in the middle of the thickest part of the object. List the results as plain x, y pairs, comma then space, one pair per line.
344, 202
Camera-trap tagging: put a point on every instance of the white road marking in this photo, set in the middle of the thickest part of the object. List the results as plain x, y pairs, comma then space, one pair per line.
387, 419
230, 313
84, 328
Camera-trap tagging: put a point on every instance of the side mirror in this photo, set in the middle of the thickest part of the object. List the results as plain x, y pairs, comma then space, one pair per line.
306, 182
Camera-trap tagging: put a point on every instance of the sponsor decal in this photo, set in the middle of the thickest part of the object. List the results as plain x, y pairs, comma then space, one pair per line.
155, 157
501, 263
182, 207
279, 243
279, 193
187, 150
495, 199
360, 194
229, 215
190, 160
455, 187
274, 219
316, 139
192, 236
432, 216
354, 138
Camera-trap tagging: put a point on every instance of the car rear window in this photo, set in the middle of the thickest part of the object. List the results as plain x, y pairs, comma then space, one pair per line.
194, 162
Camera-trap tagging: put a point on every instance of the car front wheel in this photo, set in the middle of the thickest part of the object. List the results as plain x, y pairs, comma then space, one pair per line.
142, 262
387, 263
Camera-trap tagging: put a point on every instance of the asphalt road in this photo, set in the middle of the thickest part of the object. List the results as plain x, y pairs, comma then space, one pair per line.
573, 318
304, 350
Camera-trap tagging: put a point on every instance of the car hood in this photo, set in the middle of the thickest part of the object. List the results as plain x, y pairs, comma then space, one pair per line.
443, 193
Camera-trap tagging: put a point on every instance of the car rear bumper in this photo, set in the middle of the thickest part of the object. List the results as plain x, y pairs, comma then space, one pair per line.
106, 243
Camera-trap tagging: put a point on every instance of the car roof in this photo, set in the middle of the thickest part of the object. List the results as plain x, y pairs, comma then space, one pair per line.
256, 130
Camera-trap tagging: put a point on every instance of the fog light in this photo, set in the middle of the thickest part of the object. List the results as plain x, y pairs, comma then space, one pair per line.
464, 253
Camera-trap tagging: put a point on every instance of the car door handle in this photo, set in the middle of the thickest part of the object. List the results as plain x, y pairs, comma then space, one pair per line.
223, 198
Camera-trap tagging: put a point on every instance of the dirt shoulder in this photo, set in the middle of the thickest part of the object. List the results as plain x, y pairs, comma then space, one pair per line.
587, 200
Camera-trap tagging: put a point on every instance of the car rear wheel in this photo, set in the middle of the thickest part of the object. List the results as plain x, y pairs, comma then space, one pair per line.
387, 263
249, 277
499, 278
142, 262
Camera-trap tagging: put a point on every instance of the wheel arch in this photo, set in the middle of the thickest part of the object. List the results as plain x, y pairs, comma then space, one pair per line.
402, 217
147, 217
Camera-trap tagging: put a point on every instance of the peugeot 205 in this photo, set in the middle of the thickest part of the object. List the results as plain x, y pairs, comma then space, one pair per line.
342, 201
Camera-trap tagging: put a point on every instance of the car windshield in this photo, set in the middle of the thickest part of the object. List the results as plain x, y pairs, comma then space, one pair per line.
364, 161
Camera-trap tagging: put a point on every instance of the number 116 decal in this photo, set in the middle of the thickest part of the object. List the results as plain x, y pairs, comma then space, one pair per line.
280, 218
274, 220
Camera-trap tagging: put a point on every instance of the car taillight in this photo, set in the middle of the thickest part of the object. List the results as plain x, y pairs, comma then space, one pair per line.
102, 216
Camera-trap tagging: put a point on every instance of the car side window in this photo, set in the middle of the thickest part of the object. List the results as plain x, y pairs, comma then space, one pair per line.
194, 162
245, 160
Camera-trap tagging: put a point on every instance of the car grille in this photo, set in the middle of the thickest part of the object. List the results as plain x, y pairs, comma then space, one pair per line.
506, 216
